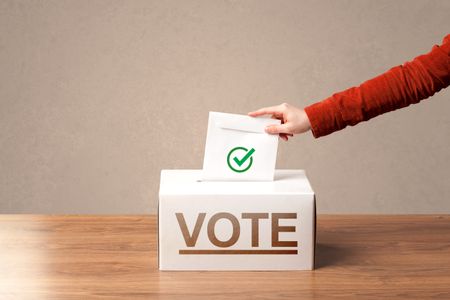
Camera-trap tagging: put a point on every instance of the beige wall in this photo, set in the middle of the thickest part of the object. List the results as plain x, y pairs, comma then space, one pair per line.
96, 97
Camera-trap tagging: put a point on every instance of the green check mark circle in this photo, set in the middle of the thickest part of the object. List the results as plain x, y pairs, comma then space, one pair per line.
240, 161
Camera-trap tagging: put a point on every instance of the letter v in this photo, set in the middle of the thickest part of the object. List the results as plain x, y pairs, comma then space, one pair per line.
190, 240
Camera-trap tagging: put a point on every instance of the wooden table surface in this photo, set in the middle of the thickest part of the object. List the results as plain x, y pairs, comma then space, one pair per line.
114, 257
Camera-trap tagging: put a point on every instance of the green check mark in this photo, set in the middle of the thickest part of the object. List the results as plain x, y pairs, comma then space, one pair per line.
241, 161
237, 165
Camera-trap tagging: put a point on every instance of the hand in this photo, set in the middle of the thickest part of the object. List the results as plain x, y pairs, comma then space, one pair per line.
293, 120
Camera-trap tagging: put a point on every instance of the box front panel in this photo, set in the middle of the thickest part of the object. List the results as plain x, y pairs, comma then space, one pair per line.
244, 232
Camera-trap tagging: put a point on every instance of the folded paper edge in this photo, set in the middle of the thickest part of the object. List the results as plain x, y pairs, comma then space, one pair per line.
242, 122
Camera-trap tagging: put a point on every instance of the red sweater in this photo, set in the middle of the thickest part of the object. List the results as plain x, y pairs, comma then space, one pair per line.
397, 88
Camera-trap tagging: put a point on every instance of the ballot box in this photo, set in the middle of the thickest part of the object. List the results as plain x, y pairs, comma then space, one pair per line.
232, 225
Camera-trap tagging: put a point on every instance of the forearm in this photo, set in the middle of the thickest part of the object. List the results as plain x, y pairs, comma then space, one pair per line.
397, 88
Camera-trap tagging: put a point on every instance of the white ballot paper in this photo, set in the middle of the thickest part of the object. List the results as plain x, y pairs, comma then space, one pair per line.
238, 148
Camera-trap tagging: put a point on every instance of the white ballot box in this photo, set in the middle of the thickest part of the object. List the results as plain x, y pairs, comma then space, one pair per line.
232, 225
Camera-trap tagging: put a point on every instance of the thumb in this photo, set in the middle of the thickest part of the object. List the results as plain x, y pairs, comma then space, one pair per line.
275, 129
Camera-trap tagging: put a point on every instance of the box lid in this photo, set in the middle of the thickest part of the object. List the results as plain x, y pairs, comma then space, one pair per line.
176, 182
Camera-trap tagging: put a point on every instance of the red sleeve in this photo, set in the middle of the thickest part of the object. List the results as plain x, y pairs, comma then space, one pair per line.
397, 88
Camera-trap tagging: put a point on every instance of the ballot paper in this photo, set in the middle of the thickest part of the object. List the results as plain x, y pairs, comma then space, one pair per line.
238, 148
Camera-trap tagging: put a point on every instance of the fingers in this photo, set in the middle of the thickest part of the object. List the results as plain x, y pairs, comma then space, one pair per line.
283, 137
274, 129
271, 110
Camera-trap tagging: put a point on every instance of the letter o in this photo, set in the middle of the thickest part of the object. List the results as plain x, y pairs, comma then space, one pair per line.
212, 234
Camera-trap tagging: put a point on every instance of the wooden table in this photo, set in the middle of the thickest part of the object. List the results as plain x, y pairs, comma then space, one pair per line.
114, 257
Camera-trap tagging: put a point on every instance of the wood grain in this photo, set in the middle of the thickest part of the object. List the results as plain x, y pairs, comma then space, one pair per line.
114, 257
